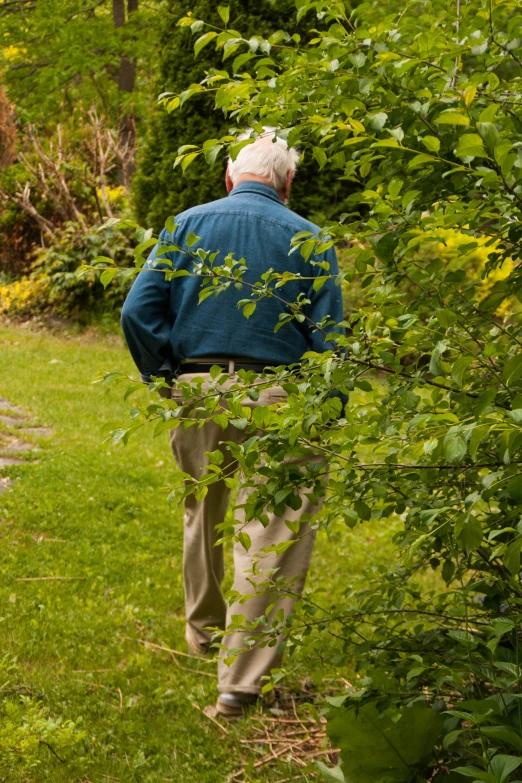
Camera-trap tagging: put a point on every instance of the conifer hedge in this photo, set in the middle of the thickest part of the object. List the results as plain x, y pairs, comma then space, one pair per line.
158, 191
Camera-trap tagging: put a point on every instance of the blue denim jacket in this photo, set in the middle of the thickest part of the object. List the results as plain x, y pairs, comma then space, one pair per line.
162, 320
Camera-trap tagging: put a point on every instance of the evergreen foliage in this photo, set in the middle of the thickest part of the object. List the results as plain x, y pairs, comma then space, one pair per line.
159, 191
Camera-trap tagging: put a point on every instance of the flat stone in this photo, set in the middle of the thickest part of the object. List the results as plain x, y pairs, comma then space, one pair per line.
5, 405
40, 432
11, 421
5, 462
19, 445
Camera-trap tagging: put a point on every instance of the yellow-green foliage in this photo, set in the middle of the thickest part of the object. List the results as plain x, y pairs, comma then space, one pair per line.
27, 732
54, 285
474, 264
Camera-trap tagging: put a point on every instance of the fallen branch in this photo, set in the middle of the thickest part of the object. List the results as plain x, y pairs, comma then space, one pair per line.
214, 721
49, 578
169, 650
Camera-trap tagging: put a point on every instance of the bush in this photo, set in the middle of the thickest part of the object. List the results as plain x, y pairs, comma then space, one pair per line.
29, 735
423, 121
53, 285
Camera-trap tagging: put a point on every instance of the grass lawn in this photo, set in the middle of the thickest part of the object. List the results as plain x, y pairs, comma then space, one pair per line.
98, 515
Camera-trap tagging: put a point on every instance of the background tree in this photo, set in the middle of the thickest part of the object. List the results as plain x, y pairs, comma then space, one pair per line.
59, 54
157, 191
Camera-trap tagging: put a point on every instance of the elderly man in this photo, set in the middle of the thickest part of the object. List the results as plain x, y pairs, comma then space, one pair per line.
164, 326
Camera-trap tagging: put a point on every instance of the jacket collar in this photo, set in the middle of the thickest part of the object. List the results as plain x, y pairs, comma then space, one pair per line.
256, 187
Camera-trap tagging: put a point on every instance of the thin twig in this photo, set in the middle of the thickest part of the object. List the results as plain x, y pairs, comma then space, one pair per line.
43, 742
169, 650
49, 578
214, 721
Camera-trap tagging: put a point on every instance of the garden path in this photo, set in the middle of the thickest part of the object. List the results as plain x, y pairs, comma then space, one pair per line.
15, 425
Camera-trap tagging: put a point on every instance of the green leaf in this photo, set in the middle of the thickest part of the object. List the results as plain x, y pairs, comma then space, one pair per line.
203, 41
448, 569
249, 309
224, 12
319, 282
446, 318
475, 772
420, 160
502, 766
436, 367
512, 557
244, 540
484, 401
490, 134
240, 423
187, 160
170, 224
395, 187
331, 774
108, 275
383, 746
514, 488
470, 145
463, 637
432, 143
512, 371
460, 367
320, 156
191, 239
362, 510
470, 537
455, 445
503, 734
477, 436
452, 117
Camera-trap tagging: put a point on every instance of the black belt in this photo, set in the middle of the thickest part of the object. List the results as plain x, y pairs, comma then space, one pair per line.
204, 366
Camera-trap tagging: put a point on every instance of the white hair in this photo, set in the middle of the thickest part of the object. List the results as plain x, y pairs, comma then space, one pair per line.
268, 156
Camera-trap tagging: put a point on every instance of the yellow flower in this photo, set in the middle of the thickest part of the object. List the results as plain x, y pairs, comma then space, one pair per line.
13, 52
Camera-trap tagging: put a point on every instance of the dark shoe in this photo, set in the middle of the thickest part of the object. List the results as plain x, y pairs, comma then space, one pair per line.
235, 705
196, 647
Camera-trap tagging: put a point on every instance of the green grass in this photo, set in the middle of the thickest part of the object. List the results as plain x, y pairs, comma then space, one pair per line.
99, 514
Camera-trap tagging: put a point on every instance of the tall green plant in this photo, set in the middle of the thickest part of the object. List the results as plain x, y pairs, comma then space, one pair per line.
419, 107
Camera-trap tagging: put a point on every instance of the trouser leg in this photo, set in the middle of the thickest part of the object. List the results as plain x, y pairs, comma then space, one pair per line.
244, 675
202, 560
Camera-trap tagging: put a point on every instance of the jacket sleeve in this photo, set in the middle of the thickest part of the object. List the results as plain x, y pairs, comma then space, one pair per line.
328, 301
146, 317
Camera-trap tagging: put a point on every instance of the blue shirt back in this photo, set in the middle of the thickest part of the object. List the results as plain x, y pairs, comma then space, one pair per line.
162, 320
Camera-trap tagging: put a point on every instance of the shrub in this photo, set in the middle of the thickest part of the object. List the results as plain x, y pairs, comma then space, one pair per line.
29, 735
53, 285
423, 121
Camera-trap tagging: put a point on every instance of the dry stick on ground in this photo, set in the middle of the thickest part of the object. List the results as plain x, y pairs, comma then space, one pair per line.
301, 750
192, 671
290, 747
173, 653
211, 718
105, 688
168, 649
49, 578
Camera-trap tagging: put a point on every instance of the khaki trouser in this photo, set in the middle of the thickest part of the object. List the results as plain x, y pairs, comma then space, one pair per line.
203, 562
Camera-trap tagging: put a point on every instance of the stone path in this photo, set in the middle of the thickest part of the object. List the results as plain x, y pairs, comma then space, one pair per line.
16, 424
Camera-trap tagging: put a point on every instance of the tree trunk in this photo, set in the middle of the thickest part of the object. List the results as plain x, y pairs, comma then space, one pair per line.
7, 130
121, 10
